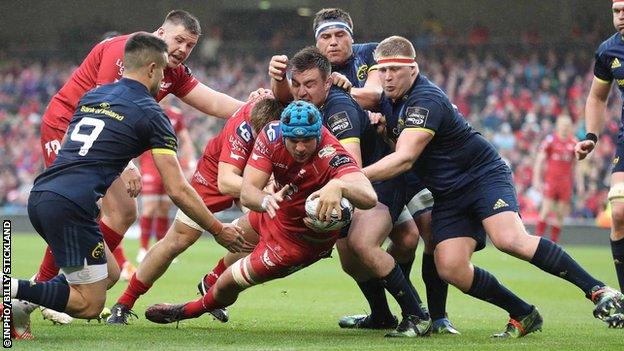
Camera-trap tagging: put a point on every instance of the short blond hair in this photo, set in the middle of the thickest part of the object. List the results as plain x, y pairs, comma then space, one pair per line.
395, 46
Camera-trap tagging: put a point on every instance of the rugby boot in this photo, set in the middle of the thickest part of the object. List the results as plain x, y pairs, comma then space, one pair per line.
367, 321
517, 328
411, 326
220, 314
120, 314
607, 301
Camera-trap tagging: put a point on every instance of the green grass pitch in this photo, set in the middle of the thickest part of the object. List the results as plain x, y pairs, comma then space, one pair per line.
301, 312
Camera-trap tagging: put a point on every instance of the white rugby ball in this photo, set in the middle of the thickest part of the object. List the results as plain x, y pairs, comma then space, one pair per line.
334, 223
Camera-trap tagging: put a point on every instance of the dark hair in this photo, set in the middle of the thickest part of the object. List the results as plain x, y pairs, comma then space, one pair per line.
190, 22
142, 49
265, 111
331, 14
308, 58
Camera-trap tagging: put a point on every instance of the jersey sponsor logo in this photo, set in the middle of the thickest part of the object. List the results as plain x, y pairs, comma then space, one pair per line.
339, 160
165, 85
244, 131
200, 178
339, 123
271, 131
416, 117
255, 156
235, 156
500, 203
326, 151
362, 72
98, 251
615, 64
266, 259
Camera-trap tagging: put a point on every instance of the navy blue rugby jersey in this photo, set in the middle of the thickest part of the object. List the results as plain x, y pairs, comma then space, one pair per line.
457, 154
358, 65
609, 67
112, 124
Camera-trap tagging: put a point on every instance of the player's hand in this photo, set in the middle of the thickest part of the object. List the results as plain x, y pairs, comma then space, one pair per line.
329, 200
583, 148
260, 94
270, 203
341, 81
277, 67
378, 120
231, 237
271, 187
131, 177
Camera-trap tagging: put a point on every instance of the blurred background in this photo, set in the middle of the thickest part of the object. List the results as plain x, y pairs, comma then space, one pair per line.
510, 66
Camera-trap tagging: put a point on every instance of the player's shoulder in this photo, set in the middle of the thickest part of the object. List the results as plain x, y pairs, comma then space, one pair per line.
180, 70
339, 96
118, 41
609, 43
272, 132
364, 48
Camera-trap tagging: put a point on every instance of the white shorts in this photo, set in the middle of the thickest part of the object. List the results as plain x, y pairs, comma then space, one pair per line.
421, 202
183, 218
85, 274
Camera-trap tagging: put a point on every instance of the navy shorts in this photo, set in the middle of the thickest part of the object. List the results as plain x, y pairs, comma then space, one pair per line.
391, 193
73, 234
618, 160
461, 214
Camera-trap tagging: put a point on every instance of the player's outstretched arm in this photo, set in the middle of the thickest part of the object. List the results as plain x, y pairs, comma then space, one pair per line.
254, 198
409, 146
229, 179
594, 116
212, 102
187, 199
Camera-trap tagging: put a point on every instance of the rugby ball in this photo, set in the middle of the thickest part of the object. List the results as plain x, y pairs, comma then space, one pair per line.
334, 223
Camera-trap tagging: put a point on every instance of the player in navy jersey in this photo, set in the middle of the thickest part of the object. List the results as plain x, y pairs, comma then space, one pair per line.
473, 192
112, 124
607, 69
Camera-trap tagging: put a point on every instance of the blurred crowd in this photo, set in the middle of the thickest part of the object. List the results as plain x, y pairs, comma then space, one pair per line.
511, 94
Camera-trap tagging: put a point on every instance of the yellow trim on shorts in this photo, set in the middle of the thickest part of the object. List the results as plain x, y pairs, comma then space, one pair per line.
602, 80
352, 140
163, 151
427, 130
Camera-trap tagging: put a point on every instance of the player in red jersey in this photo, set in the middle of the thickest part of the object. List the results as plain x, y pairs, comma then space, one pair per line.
104, 64
155, 204
556, 183
217, 180
289, 150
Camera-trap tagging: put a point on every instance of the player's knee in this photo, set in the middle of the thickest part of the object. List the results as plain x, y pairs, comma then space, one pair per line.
360, 247
450, 268
509, 242
617, 216
407, 242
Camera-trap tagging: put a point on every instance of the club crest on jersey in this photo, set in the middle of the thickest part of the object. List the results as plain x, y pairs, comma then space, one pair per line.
326, 151
98, 251
362, 72
416, 117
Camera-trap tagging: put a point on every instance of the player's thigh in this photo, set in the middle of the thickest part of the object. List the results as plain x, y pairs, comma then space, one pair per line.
405, 235
369, 228
183, 232
452, 256
250, 225
423, 222
117, 204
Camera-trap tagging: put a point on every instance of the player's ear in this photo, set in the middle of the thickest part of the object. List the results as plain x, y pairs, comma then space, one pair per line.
151, 69
160, 32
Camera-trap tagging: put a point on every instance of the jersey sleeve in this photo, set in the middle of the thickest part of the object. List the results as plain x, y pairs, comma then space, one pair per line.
262, 151
185, 81
602, 69
345, 122
424, 115
237, 141
159, 134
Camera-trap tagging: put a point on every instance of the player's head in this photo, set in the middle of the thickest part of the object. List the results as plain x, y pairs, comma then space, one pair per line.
180, 31
145, 58
311, 76
264, 111
110, 34
333, 31
396, 61
301, 124
563, 126
618, 15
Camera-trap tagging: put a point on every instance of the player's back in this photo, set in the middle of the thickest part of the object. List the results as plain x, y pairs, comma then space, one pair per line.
457, 154
113, 124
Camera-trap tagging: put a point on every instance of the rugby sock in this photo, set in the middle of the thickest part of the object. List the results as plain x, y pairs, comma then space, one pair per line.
403, 292
375, 294
437, 289
540, 228
145, 223
406, 267
120, 256
216, 273
52, 294
486, 287
111, 237
162, 225
132, 293
551, 258
617, 248
48, 268
202, 305
554, 233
